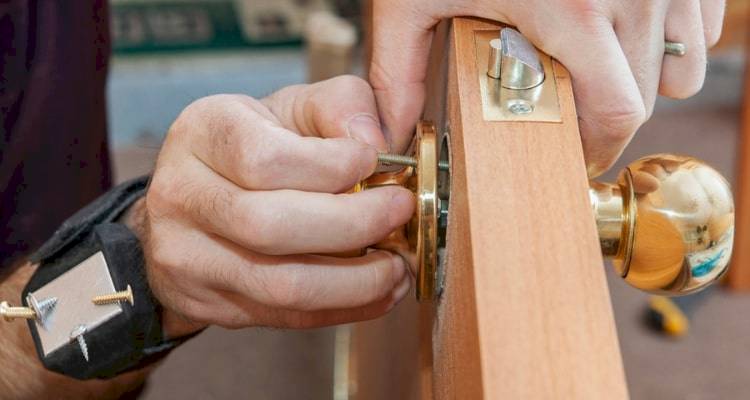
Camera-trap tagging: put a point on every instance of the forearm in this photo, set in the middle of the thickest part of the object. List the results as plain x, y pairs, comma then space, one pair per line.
24, 376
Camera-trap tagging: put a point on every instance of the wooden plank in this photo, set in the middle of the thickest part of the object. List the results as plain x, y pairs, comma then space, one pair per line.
739, 272
525, 313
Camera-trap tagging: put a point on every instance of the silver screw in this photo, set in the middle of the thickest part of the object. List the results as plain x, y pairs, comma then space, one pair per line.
43, 308
520, 107
399, 159
77, 334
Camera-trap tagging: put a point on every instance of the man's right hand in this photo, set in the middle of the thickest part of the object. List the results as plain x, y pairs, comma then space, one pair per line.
249, 195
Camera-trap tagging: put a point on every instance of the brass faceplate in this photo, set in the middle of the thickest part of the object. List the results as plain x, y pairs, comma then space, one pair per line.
497, 101
420, 235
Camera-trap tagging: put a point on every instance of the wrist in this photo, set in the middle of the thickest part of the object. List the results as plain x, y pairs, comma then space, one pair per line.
174, 324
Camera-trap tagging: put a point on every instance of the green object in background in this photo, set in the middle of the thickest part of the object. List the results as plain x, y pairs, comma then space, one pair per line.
165, 25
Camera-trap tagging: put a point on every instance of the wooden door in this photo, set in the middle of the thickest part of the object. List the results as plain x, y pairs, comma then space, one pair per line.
525, 311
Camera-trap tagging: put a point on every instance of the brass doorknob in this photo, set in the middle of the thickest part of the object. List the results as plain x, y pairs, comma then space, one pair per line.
667, 223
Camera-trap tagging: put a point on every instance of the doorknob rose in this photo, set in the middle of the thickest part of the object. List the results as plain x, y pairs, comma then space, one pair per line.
667, 224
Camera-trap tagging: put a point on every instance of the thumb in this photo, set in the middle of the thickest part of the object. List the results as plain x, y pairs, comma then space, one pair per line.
402, 35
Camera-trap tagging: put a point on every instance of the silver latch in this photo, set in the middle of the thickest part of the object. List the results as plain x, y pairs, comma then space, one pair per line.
517, 82
515, 61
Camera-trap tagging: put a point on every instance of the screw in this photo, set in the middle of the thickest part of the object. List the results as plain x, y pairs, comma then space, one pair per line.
117, 297
400, 159
43, 308
10, 313
77, 334
520, 107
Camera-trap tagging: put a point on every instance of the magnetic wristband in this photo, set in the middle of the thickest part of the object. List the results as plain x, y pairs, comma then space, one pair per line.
94, 314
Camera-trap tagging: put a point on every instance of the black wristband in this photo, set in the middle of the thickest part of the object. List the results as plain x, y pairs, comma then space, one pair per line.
90, 252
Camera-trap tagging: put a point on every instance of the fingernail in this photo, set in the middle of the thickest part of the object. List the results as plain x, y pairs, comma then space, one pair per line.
401, 290
401, 207
366, 129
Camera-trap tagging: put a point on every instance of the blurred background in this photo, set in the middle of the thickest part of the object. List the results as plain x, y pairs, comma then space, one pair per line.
168, 53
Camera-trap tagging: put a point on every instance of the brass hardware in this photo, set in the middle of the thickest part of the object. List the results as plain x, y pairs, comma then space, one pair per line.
538, 102
667, 224
421, 177
117, 297
10, 313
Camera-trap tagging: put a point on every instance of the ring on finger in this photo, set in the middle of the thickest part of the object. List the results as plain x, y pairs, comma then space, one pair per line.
675, 48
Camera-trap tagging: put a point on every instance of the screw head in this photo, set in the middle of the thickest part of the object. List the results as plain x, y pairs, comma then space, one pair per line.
520, 107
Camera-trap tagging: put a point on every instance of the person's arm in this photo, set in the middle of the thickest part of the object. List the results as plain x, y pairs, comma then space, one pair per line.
247, 199
613, 49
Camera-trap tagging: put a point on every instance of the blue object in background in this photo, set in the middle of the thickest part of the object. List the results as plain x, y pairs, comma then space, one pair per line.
146, 93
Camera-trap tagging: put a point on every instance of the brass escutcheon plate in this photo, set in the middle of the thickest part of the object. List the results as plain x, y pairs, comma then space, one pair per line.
427, 210
497, 100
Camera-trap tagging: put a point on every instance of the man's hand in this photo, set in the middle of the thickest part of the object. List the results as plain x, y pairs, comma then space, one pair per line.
613, 49
248, 197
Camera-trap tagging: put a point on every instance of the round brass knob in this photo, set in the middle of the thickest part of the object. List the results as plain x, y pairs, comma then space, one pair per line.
667, 224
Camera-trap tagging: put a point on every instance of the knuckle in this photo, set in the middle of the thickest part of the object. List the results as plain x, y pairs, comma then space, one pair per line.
349, 170
349, 84
380, 76
162, 258
260, 232
160, 198
620, 123
257, 158
289, 290
210, 203
374, 222
588, 13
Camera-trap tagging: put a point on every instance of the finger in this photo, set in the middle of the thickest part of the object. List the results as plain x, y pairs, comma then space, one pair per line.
231, 310
289, 221
301, 283
399, 64
255, 153
608, 101
683, 76
642, 42
713, 19
341, 107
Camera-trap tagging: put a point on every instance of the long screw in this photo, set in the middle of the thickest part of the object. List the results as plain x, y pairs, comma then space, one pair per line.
11, 313
77, 334
399, 159
117, 297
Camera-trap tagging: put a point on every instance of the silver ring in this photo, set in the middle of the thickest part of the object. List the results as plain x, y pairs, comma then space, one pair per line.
675, 48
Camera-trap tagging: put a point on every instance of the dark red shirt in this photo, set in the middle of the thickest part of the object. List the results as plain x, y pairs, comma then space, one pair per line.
53, 141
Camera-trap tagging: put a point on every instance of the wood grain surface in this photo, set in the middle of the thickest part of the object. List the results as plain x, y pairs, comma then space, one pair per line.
739, 272
525, 313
